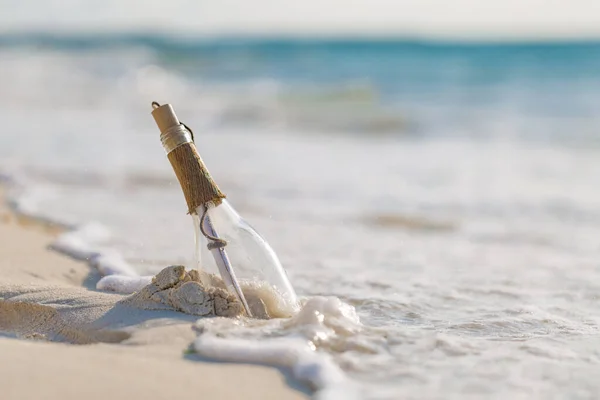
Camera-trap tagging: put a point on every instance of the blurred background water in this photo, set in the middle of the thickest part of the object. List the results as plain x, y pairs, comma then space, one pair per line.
445, 188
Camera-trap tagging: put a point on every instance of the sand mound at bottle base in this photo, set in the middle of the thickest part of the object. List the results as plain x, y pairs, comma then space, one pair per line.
193, 292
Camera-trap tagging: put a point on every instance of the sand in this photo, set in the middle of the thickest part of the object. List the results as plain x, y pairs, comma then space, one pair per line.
60, 339
203, 294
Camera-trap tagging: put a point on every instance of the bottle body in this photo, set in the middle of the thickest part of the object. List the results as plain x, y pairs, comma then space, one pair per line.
251, 261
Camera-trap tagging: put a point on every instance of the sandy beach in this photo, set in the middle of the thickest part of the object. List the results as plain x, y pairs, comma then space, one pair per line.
428, 188
62, 339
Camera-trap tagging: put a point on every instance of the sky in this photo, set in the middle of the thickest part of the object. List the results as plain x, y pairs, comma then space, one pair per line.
467, 19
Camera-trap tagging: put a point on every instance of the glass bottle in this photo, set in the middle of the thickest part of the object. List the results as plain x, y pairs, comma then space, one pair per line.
226, 245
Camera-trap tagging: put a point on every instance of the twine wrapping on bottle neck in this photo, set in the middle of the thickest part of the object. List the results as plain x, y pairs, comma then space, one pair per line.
198, 186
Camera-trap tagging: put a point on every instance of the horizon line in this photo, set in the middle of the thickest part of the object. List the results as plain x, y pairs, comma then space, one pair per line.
447, 39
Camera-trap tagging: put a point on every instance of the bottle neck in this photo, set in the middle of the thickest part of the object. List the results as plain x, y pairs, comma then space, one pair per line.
175, 137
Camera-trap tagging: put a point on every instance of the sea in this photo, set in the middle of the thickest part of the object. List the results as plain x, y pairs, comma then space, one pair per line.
436, 204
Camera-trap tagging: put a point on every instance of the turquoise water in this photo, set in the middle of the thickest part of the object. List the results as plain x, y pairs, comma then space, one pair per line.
398, 86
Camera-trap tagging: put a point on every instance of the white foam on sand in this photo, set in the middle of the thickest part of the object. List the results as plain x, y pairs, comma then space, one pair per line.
82, 242
292, 344
294, 355
117, 275
319, 324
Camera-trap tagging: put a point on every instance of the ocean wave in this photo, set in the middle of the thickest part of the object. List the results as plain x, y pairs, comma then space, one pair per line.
395, 87
187, 43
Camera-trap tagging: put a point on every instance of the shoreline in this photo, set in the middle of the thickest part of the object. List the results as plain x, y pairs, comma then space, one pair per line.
48, 302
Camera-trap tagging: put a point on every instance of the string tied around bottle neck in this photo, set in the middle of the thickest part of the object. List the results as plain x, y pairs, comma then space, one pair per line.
213, 241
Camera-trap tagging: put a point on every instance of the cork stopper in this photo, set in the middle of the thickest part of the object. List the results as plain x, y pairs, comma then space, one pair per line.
172, 132
164, 116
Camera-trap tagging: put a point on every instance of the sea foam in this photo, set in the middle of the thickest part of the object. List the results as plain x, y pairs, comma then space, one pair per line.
296, 356
82, 242
294, 344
